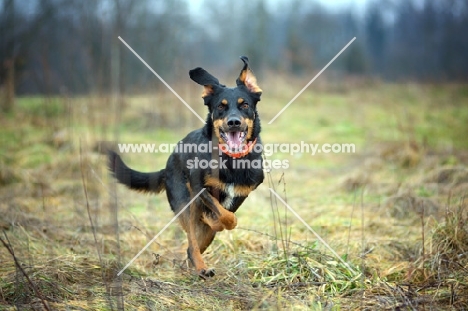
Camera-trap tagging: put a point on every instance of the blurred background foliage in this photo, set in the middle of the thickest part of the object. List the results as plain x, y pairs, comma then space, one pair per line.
51, 47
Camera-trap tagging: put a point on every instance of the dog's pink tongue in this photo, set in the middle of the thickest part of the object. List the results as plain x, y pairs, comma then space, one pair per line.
234, 140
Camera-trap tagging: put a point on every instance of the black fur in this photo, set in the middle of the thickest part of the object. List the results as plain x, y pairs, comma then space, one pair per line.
233, 109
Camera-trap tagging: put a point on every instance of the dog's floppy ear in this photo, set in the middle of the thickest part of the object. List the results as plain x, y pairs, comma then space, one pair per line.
247, 78
202, 77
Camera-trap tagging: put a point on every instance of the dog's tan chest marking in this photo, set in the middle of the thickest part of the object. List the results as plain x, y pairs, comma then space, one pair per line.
230, 190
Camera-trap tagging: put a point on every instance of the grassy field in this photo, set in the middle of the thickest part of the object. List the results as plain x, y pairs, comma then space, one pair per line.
392, 215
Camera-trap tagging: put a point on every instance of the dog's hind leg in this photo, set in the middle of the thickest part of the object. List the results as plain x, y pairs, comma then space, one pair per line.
204, 236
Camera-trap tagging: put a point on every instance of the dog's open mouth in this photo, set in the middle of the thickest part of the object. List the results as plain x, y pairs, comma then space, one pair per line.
234, 140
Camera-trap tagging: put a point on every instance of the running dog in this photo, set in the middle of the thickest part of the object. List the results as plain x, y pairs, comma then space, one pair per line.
232, 129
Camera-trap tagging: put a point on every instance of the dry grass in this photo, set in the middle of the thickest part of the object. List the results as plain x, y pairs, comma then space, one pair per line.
394, 211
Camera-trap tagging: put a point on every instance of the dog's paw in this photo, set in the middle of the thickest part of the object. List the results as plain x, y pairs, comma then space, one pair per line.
206, 273
228, 220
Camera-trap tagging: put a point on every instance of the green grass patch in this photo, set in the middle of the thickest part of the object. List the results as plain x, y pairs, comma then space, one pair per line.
411, 144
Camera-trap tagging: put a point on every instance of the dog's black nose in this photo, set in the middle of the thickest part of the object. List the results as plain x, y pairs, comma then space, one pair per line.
234, 121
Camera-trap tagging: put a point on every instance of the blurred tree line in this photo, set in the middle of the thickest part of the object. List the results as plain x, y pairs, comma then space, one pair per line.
72, 46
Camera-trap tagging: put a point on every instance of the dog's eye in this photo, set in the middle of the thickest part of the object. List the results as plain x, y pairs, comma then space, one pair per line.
221, 107
244, 106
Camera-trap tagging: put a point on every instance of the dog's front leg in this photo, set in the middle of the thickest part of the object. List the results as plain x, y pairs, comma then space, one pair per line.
193, 251
224, 218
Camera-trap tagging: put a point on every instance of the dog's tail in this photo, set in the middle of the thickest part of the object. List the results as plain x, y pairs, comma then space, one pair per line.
146, 182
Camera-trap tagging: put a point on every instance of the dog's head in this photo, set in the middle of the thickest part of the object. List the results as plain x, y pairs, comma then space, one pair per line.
232, 111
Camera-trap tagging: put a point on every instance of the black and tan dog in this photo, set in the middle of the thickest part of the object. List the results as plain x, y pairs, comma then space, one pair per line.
232, 126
